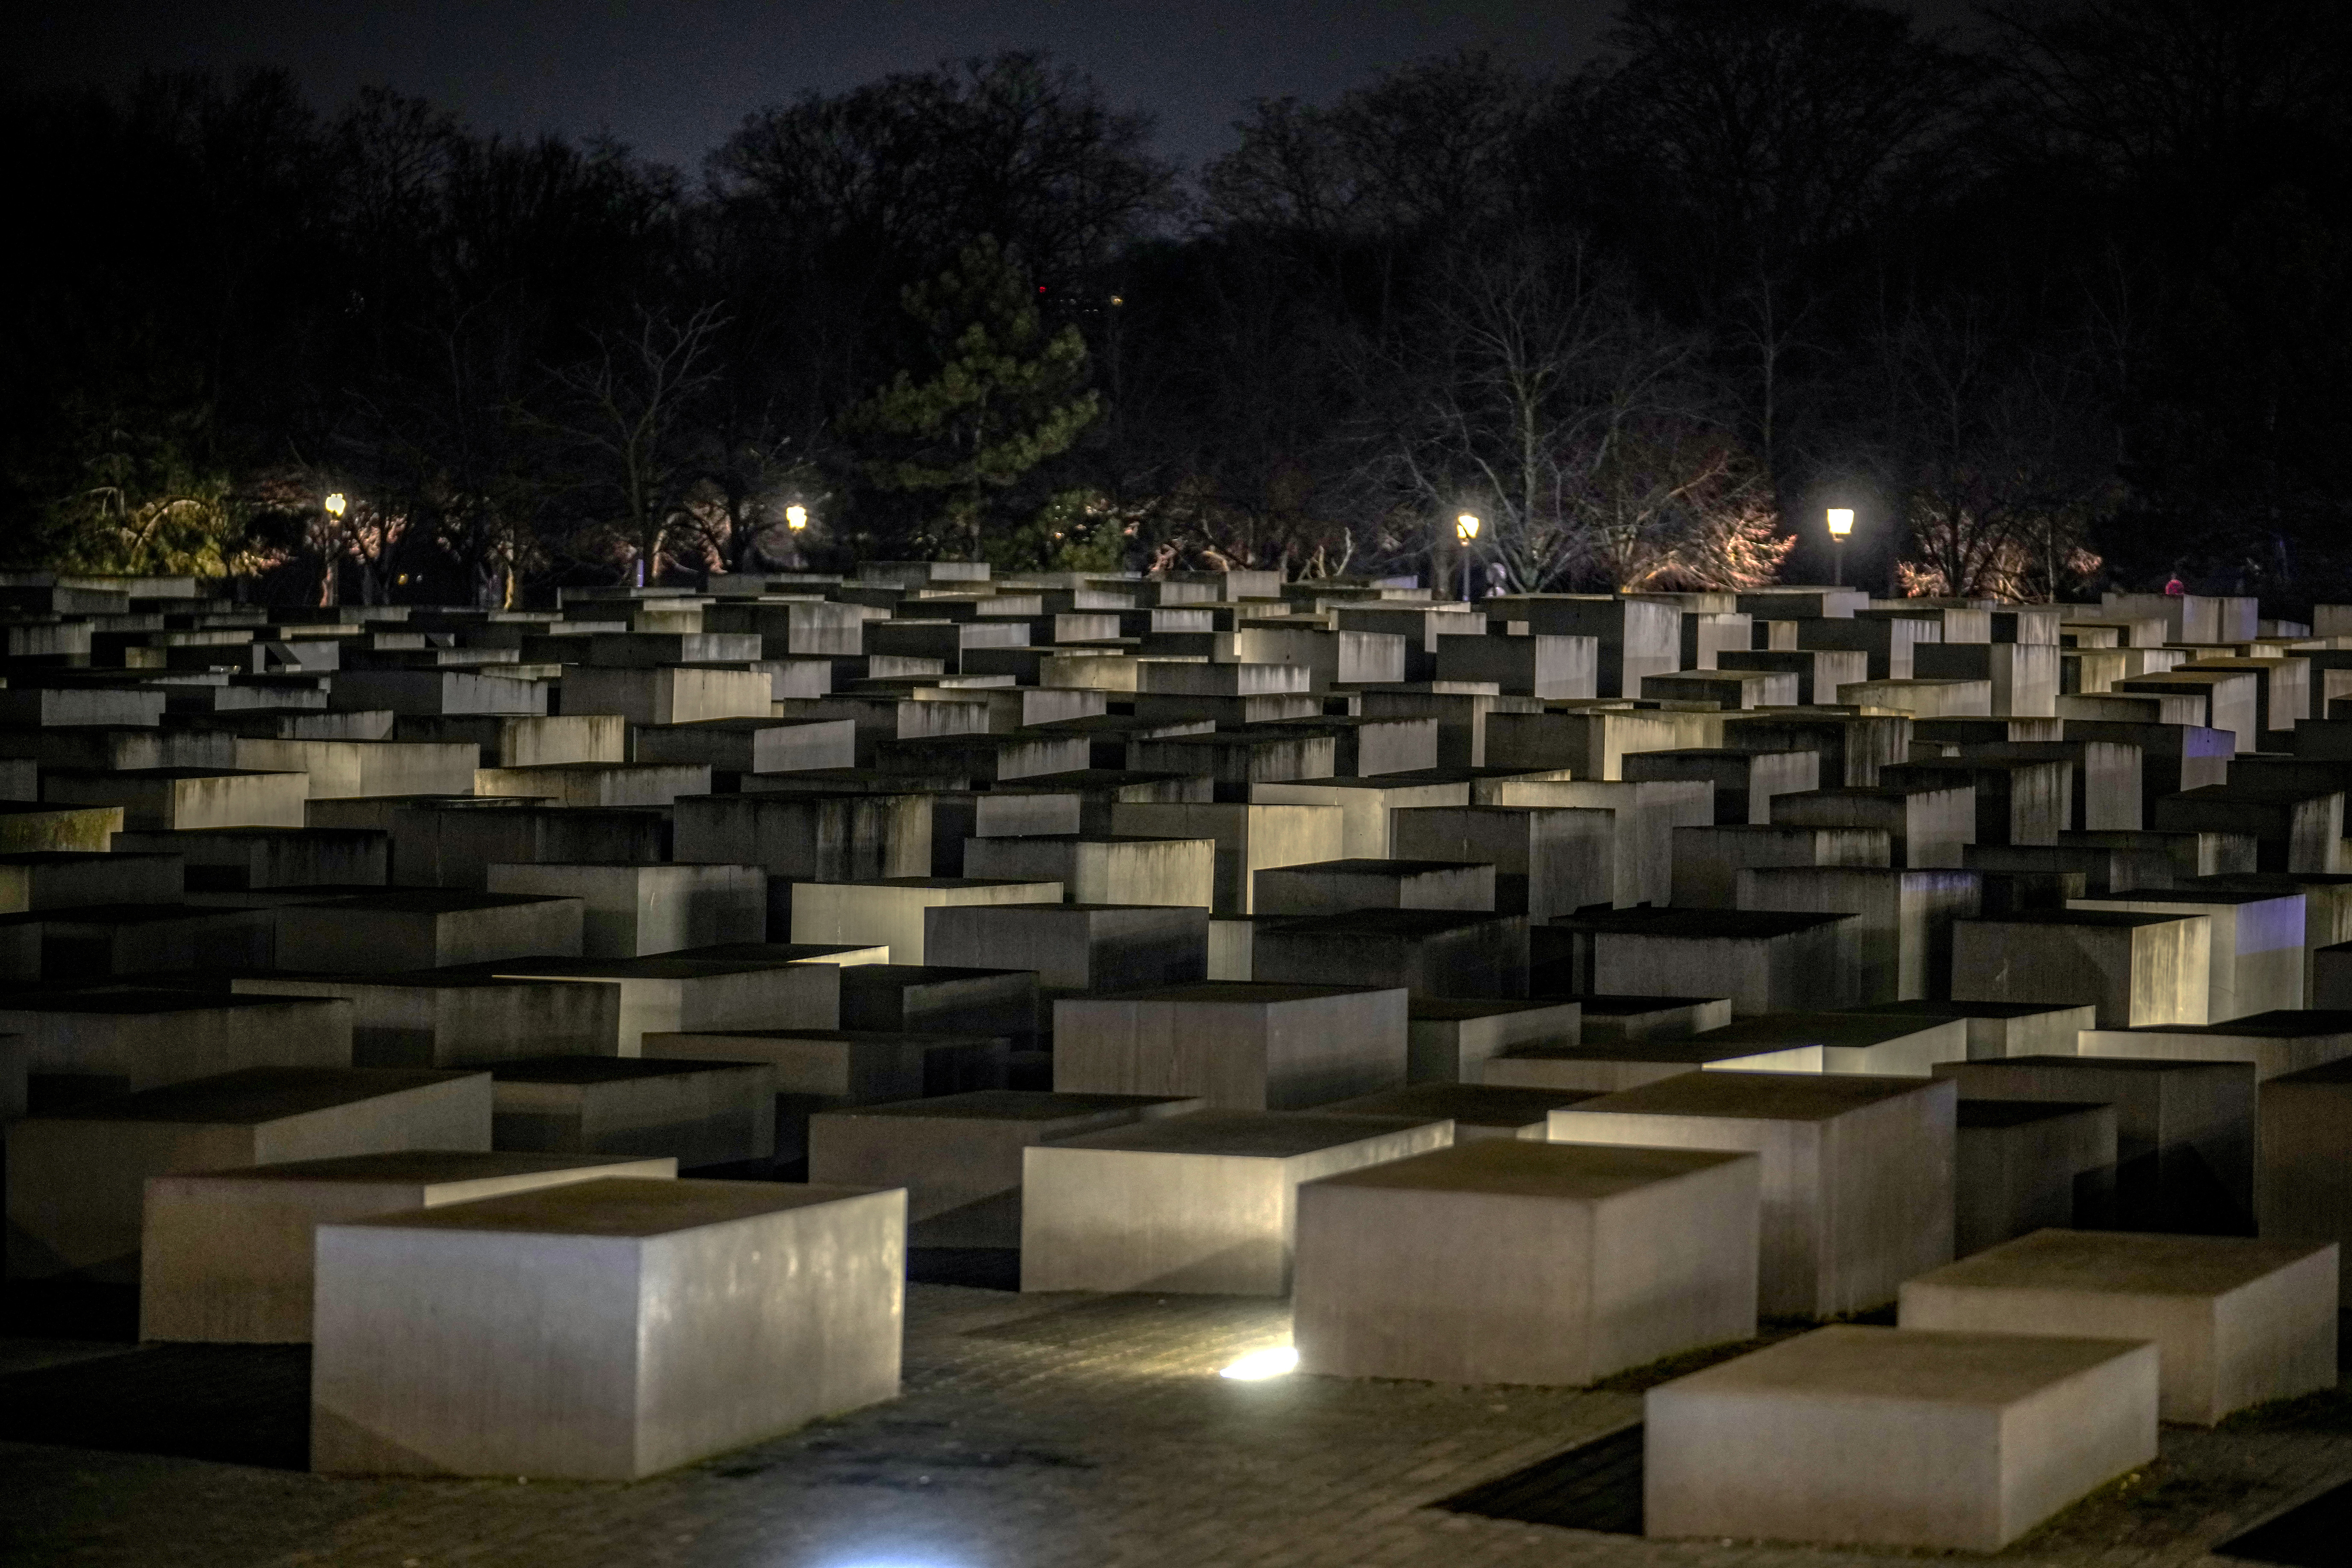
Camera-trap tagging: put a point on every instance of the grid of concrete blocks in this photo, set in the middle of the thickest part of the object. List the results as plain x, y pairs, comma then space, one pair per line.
569, 1021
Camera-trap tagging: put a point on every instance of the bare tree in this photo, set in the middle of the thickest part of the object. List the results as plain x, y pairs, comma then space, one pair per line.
627, 412
1588, 439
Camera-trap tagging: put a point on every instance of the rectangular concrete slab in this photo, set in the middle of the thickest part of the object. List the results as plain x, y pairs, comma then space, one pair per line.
1507, 1261
1205, 1203
225, 1255
1239, 1046
1854, 1436
2237, 1322
602, 1330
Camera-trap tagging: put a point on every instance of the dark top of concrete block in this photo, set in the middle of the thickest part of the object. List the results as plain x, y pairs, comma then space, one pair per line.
665, 967
771, 953
1236, 993
606, 1069
127, 914
1734, 925
2280, 1024
1601, 1006
2090, 1065
921, 882
1779, 1030
617, 1207
1374, 868
2000, 1113
1393, 924
123, 1004
1876, 1364
426, 1166
852, 1036
883, 976
1015, 1105
2112, 919
1970, 1009
1755, 1096
2109, 1262
429, 901
1457, 1009
252, 1096
2326, 1073
1246, 1134
1518, 1167
1480, 1105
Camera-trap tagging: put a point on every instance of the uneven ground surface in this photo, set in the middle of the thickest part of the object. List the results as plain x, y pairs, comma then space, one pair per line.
1033, 1431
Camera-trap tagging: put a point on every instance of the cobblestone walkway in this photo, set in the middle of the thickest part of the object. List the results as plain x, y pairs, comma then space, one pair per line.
1042, 1431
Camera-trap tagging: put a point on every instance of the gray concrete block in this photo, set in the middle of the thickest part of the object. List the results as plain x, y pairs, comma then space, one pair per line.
1452, 1038
121, 1041
1241, 1046
1102, 868
890, 912
1077, 946
1205, 1203
1998, 1029
1429, 952
1857, 1171
1924, 827
419, 928
2275, 1043
602, 1330
668, 993
2132, 969
1707, 860
2024, 1165
633, 911
1477, 1111
1895, 1437
2235, 1322
707, 1112
1503, 1261
225, 1255
76, 1177
1899, 946
1339, 887
428, 1018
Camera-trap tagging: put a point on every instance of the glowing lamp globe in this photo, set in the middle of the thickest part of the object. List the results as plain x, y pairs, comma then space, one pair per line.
1841, 520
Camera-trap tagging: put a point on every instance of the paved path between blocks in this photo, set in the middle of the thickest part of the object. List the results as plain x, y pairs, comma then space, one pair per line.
1037, 1432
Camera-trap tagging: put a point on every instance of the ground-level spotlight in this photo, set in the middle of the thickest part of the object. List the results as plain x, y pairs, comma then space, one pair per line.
1258, 1365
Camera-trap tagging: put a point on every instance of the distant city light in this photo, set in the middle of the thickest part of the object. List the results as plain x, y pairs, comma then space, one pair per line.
1841, 520
796, 517
1259, 1365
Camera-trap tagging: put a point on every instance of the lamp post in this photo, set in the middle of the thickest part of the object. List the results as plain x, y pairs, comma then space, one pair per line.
1840, 524
1465, 531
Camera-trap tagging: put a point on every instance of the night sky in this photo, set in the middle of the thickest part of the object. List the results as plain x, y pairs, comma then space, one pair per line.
673, 79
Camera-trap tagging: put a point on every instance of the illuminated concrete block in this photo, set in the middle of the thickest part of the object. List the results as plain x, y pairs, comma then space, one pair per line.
1764, 962
667, 694
76, 1177
699, 1112
1899, 943
1549, 860
1430, 952
94, 1043
1338, 887
2130, 969
1742, 782
428, 1018
2236, 1322
2184, 1130
588, 786
176, 798
234, 859
959, 1150
825, 1069
1606, 1017
1878, 1436
1999, 1029
1241, 1046
753, 745
423, 928
1074, 947
1102, 870
26, 827
601, 1331
1926, 826
1477, 1111
336, 769
1249, 838
659, 994
1201, 1203
2255, 944
632, 911
1890, 1044
2275, 1043
2027, 1164
889, 912
225, 1255
1454, 1037
1505, 1261
1365, 804
1857, 1171
936, 996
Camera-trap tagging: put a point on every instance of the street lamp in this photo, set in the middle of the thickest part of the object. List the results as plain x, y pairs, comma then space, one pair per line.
1840, 524
796, 517
334, 505
1466, 530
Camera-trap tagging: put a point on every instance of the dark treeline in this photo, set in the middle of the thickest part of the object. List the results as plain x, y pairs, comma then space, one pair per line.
2067, 301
